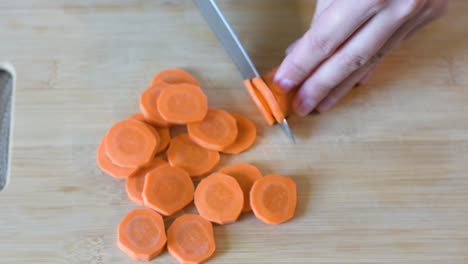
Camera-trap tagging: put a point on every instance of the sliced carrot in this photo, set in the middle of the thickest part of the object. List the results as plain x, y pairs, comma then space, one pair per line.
141, 234
284, 99
257, 98
164, 133
245, 174
173, 76
137, 116
183, 103
273, 199
270, 99
130, 143
106, 164
134, 184
190, 239
167, 189
148, 101
186, 154
246, 135
219, 198
216, 131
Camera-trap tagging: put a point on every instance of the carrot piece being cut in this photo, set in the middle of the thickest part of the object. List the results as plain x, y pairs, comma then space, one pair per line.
246, 135
148, 101
130, 143
186, 154
284, 99
141, 234
190, 239
216, 131
273, 199
167, 189
257, 98
164, 133
219, 198
182, 103
174, 76
134, 184
245, 174
106, 164
270, 99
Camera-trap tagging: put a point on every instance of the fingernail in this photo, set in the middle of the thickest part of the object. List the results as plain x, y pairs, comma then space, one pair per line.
303, 107
284, 84
325, 105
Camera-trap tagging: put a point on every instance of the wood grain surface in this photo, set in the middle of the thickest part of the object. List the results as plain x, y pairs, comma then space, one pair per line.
383, 178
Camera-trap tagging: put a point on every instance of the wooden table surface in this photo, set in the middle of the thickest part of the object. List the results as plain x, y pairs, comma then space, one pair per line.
383, 178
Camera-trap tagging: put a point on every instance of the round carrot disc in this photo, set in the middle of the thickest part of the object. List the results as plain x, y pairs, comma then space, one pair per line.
183, 103
246, 135
245, 174
186, 154
106, 164
219, 198
167, 189
148, 107
216, 131
273, 199
257, 98
141, 234
130, 143
174, 76
134, 184
270, 99
137, 116
283, 99
165, 138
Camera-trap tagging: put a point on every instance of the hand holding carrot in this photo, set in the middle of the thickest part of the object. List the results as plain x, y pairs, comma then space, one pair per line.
345, 42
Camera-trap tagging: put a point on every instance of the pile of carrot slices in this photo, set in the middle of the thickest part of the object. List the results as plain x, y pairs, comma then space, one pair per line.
134, 149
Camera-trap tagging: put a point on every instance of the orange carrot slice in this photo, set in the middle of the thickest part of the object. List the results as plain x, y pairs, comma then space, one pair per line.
257, 98
167, 189
106, 164
130, 143
216, 131
270, 99
273, 199
186, 154
134, 184
219, 198
283, 99
246, 135
183, 103
137, 116
173, 76
148, 101
245, 174
190, 239
164, 133
141, 234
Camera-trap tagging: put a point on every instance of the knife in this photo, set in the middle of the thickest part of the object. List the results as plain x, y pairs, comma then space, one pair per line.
7, 87
220, 26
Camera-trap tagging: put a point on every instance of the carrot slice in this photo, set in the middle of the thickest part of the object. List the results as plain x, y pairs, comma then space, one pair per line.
219, 198
183, 103
106, 164
164, 133
186, 154
273, 199
216, 131
173, 76
284, 99
148, 107
246, 135
130, 143
167, 189
246, 175
270, 99
134, 184
259, 102
137, 116
141, 234
190, 239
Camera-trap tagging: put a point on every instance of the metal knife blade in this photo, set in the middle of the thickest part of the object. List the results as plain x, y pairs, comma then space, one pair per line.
228, 38
7, 86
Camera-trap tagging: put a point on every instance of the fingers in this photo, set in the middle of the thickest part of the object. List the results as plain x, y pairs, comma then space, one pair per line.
365, 79
360, 50
332, 27
292, 46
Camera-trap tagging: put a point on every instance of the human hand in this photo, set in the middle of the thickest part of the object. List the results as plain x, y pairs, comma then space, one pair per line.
345, 42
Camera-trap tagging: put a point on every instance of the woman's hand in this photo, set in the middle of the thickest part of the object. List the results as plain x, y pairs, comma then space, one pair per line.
346, 40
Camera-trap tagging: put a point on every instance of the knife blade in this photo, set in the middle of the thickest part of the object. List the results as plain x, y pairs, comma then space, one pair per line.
231, 43
7, 87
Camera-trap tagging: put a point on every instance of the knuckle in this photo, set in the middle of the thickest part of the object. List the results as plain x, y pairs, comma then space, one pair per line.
323, 44
411, 7
353, 61
299, 67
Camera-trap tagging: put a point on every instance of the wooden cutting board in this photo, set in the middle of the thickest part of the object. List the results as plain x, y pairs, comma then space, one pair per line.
383, 178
